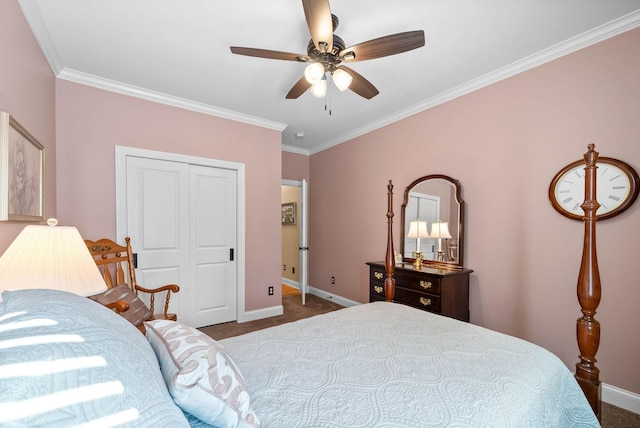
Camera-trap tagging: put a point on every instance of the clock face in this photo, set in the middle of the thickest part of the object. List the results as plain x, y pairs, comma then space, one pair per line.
616, 188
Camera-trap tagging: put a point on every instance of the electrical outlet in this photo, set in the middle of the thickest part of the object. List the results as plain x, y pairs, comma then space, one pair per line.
293, 270
271, 290
284, 268
333, 279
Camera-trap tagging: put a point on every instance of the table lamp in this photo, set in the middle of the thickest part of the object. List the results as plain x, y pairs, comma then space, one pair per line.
418, 230
440, 231
51, 257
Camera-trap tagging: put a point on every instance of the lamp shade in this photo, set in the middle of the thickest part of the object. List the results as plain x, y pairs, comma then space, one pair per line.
342, 79
314, 72
51, 257
319, 89
418, 229
440, 230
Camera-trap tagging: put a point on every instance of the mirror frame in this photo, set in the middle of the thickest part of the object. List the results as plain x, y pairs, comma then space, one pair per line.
458, 191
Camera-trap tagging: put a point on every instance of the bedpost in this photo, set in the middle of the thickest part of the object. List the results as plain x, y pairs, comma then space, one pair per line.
389, 261
589, 292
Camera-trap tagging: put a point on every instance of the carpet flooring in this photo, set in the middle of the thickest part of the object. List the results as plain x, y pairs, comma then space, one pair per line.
293, 310
612, 416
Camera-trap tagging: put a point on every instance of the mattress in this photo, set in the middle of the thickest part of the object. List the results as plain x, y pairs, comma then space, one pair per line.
388, 365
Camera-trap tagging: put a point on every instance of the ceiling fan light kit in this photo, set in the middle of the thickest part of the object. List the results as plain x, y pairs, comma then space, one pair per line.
342, 79
327, 51
319, 89
314, 72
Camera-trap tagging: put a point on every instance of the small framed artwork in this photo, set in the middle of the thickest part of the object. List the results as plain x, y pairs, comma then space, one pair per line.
21, 172
289, 213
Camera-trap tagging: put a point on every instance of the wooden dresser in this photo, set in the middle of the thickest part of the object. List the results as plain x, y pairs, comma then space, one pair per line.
444, 292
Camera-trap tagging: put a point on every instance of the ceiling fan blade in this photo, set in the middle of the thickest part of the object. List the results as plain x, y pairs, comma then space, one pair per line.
385, 46
298, 89
318, 14
264, 53
360, 85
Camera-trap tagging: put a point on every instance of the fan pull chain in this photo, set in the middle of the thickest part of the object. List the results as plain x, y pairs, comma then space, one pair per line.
328, 95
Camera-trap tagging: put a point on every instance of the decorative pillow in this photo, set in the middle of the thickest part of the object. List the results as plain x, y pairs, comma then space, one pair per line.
137, 312
202, 378
68, 361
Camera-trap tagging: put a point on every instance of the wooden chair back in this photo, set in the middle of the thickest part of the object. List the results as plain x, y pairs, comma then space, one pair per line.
116, 264
114, 261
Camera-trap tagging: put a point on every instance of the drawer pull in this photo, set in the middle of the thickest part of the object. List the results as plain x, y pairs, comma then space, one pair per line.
426, 284
378, 275
378, 289
425, 301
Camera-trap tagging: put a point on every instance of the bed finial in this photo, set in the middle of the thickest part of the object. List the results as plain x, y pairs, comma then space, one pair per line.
389, 261
589, 291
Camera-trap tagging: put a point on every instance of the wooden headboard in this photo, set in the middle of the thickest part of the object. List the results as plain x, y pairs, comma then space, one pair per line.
589, 290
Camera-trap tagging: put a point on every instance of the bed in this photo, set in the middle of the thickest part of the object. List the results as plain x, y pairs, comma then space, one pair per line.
373, 365
378, 364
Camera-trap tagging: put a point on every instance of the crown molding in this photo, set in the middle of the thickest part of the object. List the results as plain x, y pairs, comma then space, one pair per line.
158, 97
32, 14
596, 35
296, 150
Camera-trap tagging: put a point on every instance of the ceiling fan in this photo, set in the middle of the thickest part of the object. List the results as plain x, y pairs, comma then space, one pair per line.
326, 52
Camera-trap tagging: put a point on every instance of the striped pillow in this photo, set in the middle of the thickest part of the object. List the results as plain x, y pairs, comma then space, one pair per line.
137, 312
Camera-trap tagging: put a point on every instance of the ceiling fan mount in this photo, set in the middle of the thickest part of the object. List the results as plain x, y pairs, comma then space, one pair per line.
329, 51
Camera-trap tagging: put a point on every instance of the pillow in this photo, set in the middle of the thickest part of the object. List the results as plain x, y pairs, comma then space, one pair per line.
202, 378
66, 360
137, 312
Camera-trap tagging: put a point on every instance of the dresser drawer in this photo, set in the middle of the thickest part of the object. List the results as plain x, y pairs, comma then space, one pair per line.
377, 274
419, 282
375, 297
425, 301
377, 289
445, 292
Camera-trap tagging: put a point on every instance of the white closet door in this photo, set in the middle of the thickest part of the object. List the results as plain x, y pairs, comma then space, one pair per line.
179, 232
213, 238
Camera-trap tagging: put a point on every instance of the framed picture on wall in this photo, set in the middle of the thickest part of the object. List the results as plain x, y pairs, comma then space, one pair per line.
289, 213
21, 172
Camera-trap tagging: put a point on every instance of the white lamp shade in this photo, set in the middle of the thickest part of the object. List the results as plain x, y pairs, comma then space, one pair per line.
314, 72
52, 258
319, 89
418, 229
440, 230
342, 79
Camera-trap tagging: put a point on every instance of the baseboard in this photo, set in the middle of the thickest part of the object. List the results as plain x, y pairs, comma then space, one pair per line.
290, 283
323, 294
333, 297
621, 398
259, 314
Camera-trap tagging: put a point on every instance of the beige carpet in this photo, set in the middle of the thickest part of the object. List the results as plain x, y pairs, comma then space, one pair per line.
615, 417
293, 310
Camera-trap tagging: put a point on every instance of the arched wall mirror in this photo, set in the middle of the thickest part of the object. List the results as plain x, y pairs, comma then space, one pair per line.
434, 199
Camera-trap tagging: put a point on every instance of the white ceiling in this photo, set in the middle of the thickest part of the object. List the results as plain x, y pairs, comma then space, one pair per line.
177, 52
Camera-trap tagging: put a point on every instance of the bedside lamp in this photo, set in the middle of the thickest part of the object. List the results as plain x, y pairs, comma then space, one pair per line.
50, 257
418, 230
440, 231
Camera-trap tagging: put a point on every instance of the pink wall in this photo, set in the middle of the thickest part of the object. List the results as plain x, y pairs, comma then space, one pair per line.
504, 143
27, 93
295, 166
91, 122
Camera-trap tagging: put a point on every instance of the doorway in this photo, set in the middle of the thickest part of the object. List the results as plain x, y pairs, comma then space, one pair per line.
294, 198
